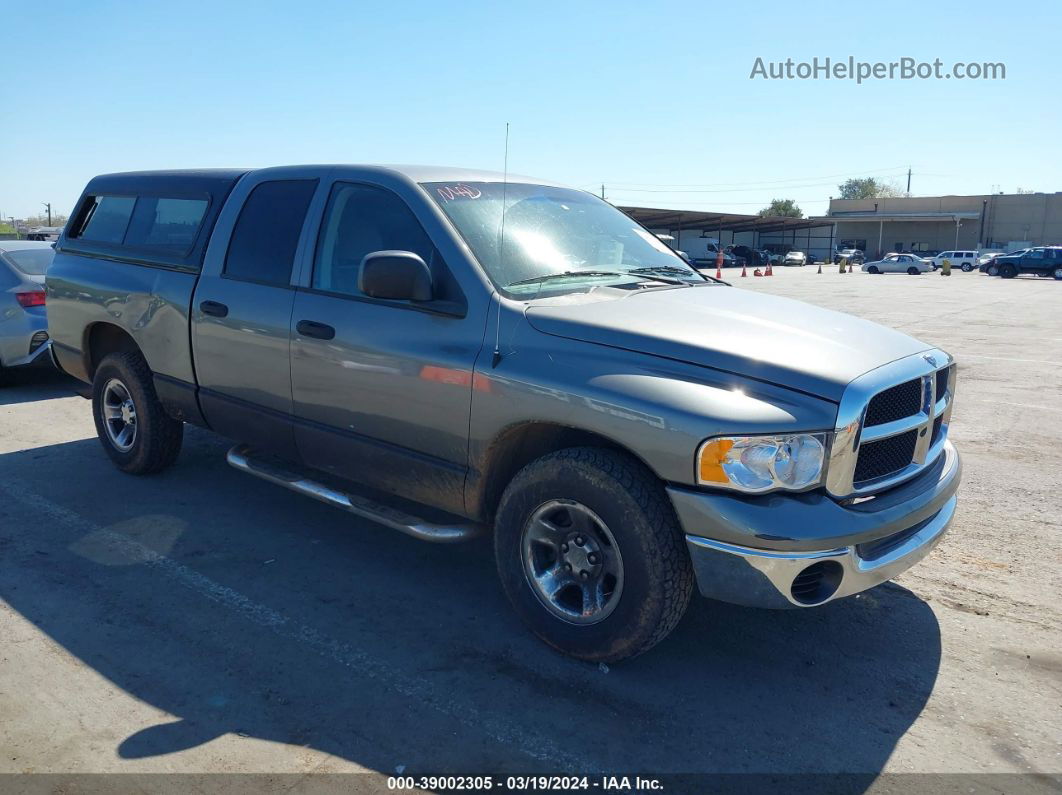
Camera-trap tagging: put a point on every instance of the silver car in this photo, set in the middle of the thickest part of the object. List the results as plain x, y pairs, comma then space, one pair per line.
23, 323
899, 263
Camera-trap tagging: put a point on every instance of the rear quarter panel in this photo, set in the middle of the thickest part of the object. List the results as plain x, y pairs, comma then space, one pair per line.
150, 303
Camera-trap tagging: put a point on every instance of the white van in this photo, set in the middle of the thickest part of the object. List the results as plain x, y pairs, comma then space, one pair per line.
967, 260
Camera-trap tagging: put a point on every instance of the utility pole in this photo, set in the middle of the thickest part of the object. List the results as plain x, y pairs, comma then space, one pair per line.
908, 180
602, 190
49, 206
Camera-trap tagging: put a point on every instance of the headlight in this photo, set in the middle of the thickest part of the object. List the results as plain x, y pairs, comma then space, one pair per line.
757, 464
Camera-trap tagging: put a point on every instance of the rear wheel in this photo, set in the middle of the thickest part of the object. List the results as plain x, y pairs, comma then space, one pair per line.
1007, 270
993, 270
1057, 274
913, 271
133, 427
591, 555
967, 267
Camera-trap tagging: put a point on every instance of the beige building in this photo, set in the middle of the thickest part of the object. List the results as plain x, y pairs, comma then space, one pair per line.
939, 223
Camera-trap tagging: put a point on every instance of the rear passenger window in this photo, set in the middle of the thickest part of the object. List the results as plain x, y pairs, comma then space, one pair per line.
107, 218
266, 235
167, 224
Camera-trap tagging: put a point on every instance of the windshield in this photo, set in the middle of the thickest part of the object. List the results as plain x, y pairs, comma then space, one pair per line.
570, 237
31, 261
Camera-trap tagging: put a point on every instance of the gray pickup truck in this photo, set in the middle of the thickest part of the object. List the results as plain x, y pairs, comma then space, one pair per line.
455, 352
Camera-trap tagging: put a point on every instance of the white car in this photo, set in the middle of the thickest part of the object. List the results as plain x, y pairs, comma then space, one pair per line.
795, 258
899, 263
965, 260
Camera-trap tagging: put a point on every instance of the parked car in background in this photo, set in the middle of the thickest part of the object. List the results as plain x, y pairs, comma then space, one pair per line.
987, 263
899, 263
1038, 261
729, 260
23, 323
586, 415
750, 255
852, 255
795, 258
44, 233
964, 260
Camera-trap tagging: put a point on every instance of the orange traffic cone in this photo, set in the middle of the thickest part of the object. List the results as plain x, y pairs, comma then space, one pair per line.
744, 272
849, 267
757, 272
769, 271
718, 272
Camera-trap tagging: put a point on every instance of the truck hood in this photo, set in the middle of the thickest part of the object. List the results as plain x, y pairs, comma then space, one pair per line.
778, 340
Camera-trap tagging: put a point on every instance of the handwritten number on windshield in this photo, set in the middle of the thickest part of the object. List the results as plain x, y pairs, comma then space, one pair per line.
462, 191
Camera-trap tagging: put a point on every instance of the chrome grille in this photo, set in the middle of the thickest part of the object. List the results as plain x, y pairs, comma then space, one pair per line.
895, 403
891, 424
885, 456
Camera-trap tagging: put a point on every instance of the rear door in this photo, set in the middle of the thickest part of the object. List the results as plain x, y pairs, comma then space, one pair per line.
382, 389
241, 311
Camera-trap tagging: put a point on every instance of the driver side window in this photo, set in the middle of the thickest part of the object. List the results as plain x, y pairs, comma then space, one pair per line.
360, 220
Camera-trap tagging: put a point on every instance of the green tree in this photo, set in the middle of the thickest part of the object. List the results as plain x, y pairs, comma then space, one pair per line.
786, 207
868, 188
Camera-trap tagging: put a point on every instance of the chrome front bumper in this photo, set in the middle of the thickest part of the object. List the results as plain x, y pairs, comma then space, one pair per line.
860, 546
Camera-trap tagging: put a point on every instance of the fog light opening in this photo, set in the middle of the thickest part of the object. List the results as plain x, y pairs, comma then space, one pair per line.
817, 583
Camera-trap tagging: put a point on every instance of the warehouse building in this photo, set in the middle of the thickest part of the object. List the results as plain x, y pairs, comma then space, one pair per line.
930, 224
927, 224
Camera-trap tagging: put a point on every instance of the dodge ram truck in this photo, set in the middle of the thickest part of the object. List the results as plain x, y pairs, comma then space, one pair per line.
451, 353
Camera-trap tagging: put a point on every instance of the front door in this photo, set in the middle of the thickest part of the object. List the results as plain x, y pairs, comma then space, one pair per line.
382, 389
241, 315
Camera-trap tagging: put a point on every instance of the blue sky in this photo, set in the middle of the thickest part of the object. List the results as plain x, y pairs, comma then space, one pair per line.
652, 99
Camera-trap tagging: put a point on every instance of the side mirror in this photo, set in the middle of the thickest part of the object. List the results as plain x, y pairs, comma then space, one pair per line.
398, 275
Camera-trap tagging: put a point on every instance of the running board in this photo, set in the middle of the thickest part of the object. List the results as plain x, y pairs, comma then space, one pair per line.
242, 457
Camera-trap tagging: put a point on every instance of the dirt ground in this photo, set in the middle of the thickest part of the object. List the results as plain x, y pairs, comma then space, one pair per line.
204, 621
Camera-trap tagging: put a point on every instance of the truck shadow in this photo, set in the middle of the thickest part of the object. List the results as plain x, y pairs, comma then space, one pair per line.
240, 608
27, 386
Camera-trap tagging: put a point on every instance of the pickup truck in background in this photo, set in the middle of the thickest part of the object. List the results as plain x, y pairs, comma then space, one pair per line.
452, 352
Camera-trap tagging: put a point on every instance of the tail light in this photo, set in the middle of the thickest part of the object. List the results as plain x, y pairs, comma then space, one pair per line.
26, 300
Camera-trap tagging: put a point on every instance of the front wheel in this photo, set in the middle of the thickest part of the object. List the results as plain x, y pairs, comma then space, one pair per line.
993, 270
591, 555
873, 269
133, 427
1007, 271
913, 271
1057, 274
967, 267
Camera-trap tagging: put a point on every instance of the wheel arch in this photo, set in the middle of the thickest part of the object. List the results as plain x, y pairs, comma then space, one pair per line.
102, 339
517, 446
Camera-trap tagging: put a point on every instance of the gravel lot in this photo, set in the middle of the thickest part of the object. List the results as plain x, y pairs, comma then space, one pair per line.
202, 620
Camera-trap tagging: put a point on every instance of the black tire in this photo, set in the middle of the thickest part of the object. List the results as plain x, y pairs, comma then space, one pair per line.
873, 269
992, 270
1057, 274
1007, 270
657, 575
157, 437
913, 271
967, 267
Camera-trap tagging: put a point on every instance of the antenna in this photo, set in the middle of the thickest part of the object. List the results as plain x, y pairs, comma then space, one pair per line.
496, 357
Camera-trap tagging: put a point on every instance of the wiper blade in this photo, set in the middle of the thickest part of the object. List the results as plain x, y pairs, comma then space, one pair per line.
653, 273
565, 275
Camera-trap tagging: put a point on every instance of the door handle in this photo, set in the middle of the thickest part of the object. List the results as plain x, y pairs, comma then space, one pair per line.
311, 328
213, 308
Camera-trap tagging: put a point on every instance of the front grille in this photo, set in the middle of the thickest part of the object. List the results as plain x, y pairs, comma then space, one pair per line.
895, 403
936, 429
942, 381
885, 456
